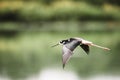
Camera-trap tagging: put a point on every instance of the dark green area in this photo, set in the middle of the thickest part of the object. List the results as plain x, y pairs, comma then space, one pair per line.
52, 10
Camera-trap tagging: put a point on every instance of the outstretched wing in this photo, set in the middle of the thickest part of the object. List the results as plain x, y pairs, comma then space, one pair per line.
66, 55
85, 48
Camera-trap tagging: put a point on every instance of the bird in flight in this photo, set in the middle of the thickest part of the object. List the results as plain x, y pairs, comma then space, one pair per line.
70, 44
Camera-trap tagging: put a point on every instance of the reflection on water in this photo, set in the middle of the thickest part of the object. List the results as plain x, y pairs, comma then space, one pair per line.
55, 74
104, 77
60, 74
4, 78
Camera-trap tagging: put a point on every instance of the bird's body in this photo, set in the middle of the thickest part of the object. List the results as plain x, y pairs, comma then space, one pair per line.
70, 44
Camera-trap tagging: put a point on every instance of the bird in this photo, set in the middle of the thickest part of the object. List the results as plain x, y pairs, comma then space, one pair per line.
70, 44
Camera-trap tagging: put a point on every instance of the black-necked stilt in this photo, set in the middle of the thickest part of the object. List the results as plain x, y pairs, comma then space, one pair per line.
70, 44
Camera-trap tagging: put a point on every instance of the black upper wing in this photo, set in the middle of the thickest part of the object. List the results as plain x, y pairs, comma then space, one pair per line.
85, 48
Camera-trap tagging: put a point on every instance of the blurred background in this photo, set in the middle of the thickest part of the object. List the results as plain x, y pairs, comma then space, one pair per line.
28, 29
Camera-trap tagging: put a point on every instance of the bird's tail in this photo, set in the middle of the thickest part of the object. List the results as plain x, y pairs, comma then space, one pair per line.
100, 47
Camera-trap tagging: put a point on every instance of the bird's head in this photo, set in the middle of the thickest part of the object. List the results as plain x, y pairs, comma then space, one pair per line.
63, 42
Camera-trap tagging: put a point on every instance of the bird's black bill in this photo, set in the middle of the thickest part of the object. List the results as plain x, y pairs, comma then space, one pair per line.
55, 45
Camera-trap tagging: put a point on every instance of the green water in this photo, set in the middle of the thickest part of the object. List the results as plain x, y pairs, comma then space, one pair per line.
29, 51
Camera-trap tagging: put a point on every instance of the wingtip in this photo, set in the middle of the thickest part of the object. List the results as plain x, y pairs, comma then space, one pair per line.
63, 66
87, 53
